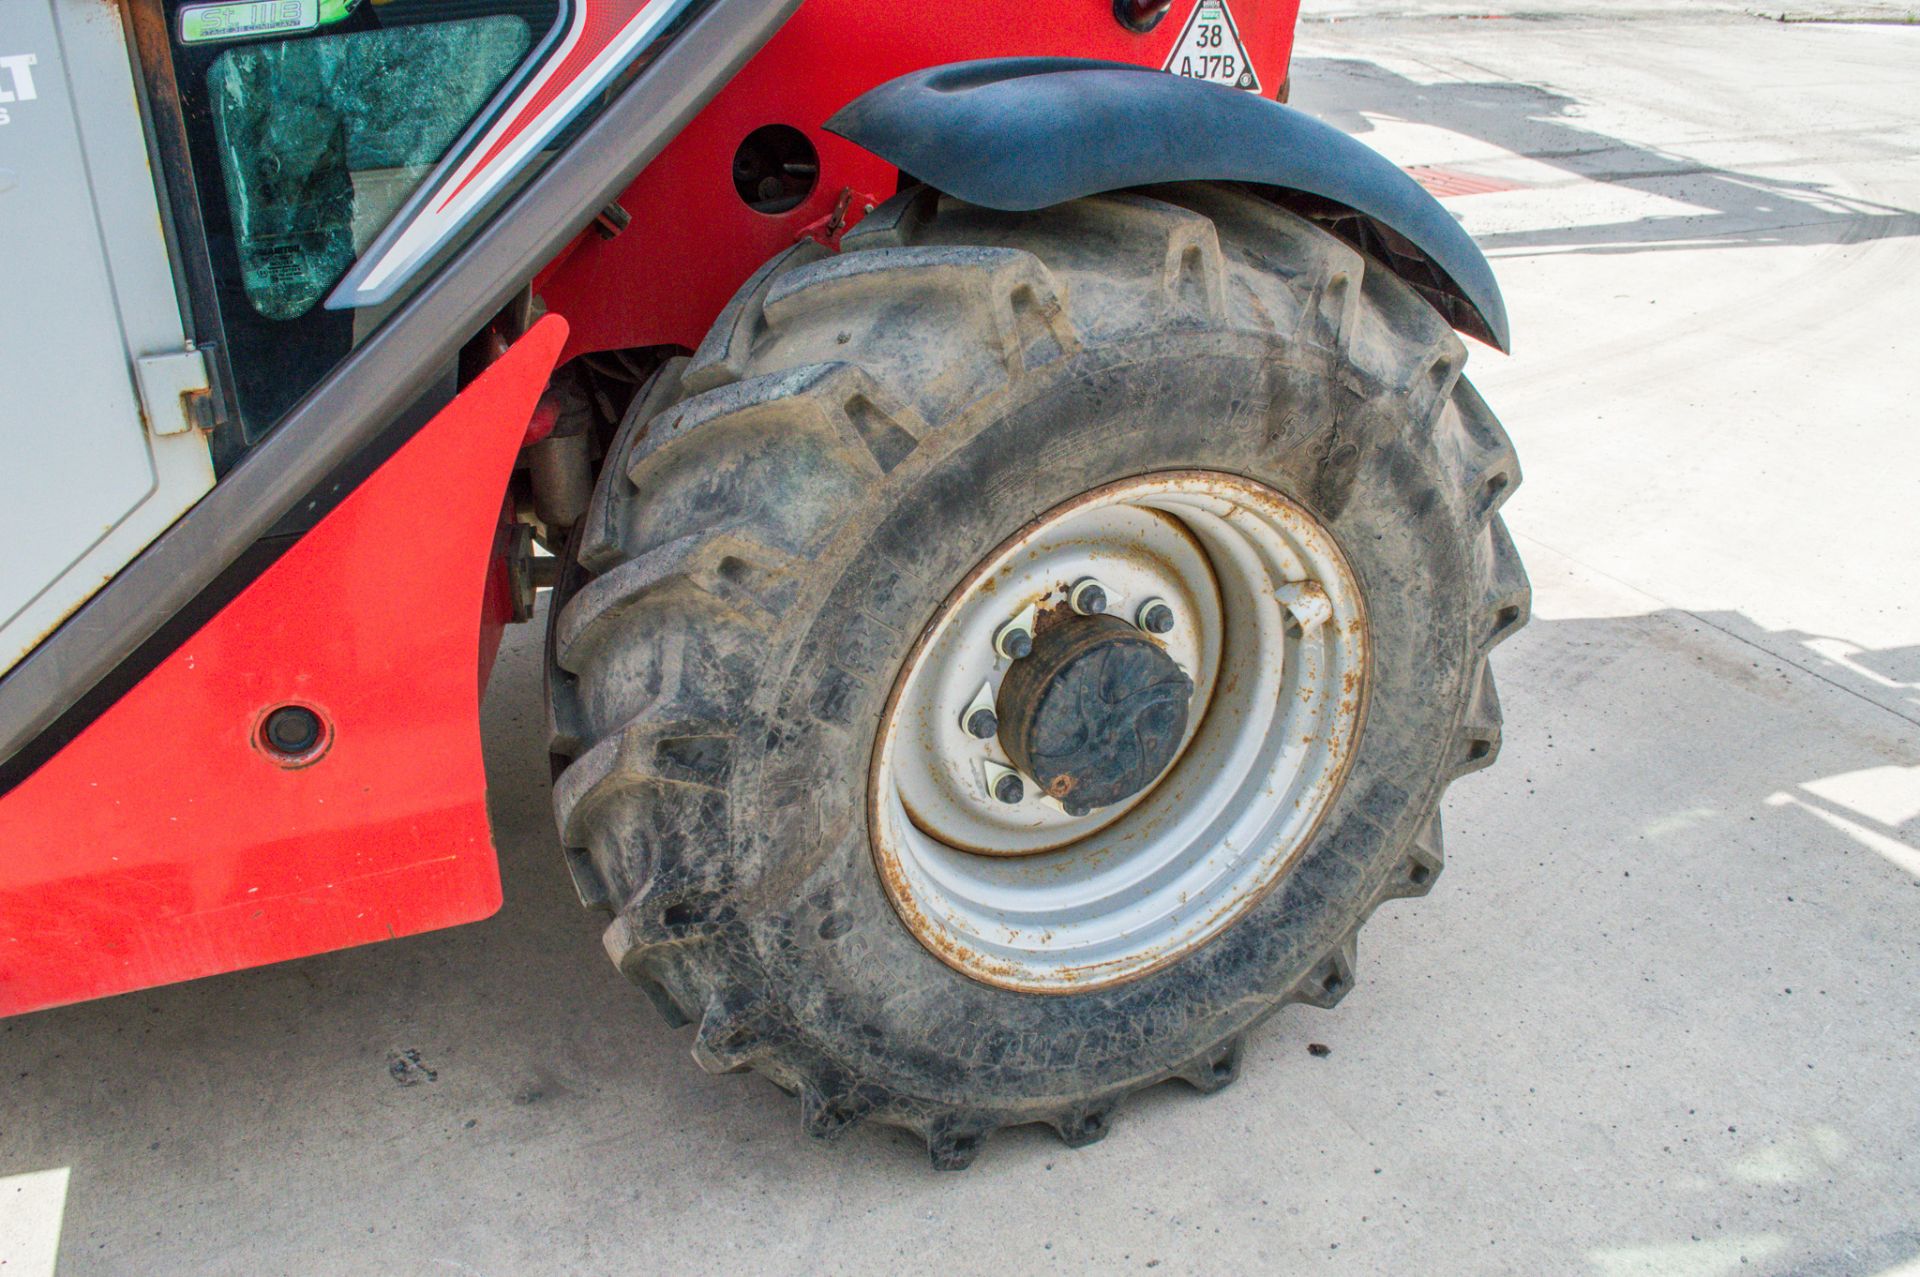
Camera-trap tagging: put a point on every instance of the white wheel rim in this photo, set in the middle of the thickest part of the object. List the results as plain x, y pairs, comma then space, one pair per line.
1270, 626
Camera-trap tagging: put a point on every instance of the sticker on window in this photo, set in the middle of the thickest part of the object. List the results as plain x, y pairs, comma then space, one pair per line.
243, 19
1210, 49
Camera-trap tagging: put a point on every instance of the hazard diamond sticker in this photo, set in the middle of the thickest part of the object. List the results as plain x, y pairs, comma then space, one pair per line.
1210, 49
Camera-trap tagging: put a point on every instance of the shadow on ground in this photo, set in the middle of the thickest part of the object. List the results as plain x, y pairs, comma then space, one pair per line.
1889, 676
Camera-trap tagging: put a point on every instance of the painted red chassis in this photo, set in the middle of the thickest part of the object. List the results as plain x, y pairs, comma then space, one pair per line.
163, 843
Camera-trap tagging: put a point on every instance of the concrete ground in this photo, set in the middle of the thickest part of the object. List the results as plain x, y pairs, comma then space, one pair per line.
1662, 1014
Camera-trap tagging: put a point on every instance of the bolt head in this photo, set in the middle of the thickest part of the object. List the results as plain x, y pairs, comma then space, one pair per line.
1087, 596
1009, 789
1017, 644
1157, 619
983, 724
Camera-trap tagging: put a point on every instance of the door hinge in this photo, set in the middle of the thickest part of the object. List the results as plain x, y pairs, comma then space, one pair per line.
175, 395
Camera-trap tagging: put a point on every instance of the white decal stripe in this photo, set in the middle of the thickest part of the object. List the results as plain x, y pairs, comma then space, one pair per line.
432, 225
429, 225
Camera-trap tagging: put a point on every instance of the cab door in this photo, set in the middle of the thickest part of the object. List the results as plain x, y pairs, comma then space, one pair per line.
101, 401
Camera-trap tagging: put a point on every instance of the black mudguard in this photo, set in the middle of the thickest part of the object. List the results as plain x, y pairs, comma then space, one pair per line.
1026, 133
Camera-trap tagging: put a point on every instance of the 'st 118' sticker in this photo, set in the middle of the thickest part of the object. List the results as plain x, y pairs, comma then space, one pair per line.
245, 19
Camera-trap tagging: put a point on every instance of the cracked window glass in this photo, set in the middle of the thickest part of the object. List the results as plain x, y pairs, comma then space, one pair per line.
322, 139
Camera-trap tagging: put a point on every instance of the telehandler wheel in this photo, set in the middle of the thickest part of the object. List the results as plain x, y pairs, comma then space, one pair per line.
1012, 656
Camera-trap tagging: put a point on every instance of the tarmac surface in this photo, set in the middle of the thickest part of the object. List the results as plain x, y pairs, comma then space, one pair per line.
1661, 1014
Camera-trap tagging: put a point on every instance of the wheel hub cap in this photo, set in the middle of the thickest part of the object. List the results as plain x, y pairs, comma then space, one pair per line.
1095, 714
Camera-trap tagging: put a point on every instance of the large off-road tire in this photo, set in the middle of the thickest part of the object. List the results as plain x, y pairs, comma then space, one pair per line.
785, 515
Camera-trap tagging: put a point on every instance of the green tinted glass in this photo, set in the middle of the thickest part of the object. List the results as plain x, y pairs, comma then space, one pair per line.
321, 140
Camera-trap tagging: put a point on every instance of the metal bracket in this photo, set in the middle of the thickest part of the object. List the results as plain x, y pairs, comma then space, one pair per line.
175, 394
1307, 601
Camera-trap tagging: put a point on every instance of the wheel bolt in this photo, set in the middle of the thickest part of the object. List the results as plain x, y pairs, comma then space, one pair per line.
1014, 640
1009, 789
983, 724
1156, 617
1088, 597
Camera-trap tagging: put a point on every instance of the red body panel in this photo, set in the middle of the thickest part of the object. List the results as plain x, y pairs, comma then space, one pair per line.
692, 241
165, 843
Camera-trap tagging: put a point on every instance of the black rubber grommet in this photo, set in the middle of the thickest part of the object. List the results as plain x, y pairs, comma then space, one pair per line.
291, 731
1140, 16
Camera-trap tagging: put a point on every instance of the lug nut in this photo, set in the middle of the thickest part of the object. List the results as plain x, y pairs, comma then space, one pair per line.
979, 720
1156, 617
1087, 597
1015, 639
1009, 789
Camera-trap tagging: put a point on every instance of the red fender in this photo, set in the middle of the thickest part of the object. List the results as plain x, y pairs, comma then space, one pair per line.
167, 842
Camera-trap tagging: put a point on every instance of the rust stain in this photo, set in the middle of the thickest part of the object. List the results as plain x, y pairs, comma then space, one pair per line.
1342, 742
